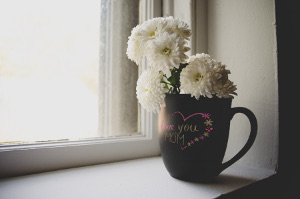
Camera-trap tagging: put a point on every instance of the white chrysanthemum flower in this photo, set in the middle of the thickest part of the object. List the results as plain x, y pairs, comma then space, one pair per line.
223, 87
136, 46
166, 52
202, 56
225, 90
207, 77
151, 29
150, 91
198, 77
174, 25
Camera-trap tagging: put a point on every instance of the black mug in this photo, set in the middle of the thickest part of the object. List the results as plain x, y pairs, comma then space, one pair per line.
193, 135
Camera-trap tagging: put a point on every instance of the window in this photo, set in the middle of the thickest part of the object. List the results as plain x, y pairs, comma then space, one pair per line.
110, 85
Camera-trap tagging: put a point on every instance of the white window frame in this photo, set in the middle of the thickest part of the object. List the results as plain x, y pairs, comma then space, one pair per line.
16, 160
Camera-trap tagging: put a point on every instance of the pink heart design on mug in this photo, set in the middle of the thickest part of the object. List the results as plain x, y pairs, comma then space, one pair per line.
205, 115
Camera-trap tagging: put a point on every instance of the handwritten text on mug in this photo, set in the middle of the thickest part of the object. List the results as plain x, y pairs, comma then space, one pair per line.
176, 134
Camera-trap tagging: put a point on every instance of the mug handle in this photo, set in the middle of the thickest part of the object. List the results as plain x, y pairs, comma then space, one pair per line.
250, 141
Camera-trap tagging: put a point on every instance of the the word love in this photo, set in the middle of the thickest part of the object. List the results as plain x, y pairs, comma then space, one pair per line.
180, 128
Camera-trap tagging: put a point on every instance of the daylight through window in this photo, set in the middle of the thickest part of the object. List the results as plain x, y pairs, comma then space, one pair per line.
64, 74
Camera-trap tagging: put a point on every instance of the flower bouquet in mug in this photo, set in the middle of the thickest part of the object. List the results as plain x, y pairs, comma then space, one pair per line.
192, 95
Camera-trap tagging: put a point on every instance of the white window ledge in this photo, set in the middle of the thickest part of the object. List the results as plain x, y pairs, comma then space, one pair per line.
140, 178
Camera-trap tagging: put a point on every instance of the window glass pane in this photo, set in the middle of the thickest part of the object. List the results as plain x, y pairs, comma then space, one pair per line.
49, 71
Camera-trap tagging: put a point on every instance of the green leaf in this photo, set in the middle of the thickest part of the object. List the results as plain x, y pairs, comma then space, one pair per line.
173, 82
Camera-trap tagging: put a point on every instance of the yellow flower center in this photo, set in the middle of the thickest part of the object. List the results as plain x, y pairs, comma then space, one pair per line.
198, 76
152, 34
166, 51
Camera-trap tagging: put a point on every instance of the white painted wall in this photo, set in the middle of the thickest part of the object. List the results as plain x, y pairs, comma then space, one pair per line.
242, 35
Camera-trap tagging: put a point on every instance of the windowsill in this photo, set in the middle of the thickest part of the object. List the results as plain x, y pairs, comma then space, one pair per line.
140, 178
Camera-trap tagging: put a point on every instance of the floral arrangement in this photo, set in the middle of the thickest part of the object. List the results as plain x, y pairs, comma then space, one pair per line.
163, 42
